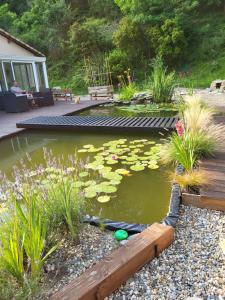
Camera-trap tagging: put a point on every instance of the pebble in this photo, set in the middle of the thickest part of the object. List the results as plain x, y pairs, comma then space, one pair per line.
192, 268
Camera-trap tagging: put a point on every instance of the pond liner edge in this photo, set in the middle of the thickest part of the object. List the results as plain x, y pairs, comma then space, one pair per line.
132, 228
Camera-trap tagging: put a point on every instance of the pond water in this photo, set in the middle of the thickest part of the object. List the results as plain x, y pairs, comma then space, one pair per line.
142, 197
140, 110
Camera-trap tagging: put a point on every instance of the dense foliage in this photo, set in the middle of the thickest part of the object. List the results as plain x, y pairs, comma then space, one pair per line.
131, 33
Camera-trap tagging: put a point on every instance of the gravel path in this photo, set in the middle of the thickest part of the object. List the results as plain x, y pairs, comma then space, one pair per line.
72, 259
193, 266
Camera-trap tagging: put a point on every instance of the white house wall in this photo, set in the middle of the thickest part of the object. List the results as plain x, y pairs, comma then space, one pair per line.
10, 48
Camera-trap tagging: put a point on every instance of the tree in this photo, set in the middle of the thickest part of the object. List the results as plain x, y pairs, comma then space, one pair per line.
6, 17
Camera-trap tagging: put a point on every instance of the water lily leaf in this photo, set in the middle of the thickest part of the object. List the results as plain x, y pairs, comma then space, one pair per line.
89, 182
122, 171
82, 150
88, 146
103, 199
90, 194
147, 153
83, 174
150, 143
153, 167
92, 150
127, 162
132, 158
108, 189
112, 161
105, 169
114, 182
137, 168
78, 184
112, 176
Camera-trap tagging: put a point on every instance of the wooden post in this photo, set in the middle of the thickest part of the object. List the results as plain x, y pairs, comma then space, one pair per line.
106, 276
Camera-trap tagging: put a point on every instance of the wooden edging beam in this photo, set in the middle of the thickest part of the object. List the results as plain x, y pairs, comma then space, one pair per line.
203, 202
106, 276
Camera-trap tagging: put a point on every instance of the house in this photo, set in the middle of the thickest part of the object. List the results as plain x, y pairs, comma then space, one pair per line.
21, 62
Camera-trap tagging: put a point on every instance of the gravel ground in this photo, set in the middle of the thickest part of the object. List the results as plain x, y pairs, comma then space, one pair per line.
193, 266
72, 259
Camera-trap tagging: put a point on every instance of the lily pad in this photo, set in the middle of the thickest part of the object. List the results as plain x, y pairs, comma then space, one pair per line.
108, 189
89, 182
82, 150
83, 174
78, 184
114, 182
88, 146
122, 171
112, 162
90, 194
137, 168
153, 167
112, 176
103, 199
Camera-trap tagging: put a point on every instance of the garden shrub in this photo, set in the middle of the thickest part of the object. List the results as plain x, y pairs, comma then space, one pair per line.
162, 84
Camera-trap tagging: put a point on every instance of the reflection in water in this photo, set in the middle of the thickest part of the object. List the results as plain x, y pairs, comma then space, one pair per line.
143, 197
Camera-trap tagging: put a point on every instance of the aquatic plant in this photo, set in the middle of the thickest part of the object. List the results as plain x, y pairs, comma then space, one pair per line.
162, 83
165, 108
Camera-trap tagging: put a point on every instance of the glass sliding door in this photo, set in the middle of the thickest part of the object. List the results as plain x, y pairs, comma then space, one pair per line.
24, 75
8, 73
40, 74
3, 86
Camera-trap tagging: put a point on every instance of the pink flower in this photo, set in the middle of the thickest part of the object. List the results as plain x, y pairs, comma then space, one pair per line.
114, 157
179, 128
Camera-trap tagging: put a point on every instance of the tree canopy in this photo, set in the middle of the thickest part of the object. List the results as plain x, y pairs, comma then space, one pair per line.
130, 32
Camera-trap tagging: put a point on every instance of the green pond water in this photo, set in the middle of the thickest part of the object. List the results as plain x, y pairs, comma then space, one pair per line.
140, 110
142, 197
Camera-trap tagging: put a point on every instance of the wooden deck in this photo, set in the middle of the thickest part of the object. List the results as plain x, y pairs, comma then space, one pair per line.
98, 122
212, 196
8, 120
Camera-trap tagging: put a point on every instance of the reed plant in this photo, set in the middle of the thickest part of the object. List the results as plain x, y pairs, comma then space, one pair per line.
162, 83
64, 205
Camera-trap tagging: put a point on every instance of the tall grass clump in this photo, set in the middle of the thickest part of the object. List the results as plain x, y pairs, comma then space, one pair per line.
197, 137
43, 203
162, 83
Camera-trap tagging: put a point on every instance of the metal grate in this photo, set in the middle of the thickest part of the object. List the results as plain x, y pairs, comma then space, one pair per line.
70, 122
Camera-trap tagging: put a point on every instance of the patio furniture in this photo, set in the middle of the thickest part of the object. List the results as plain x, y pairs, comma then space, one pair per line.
43, 98
59, 93
13, 103
1, 101
105, 91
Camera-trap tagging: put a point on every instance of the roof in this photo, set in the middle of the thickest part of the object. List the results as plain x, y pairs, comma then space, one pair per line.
20, 43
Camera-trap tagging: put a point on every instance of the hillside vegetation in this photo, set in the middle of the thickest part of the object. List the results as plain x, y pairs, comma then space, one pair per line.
188, 34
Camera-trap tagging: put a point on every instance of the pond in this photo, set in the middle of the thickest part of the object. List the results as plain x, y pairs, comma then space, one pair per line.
140, 110
142, 197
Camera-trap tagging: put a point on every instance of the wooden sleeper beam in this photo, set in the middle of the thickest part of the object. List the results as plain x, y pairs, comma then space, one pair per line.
106, 276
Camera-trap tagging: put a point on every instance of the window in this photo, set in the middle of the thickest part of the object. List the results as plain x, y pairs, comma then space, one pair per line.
8, 73
2, 79
24, 75
40, 75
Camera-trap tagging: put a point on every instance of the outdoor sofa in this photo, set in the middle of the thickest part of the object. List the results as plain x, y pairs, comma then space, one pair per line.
12, 103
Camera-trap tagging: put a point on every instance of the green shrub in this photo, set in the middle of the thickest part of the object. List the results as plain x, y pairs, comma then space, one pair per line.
127, 92
162, 84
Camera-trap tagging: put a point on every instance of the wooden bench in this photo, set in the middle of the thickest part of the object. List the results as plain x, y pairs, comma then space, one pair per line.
96, 92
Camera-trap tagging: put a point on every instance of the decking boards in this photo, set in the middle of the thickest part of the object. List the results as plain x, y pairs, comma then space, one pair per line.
104, 122
215, 169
